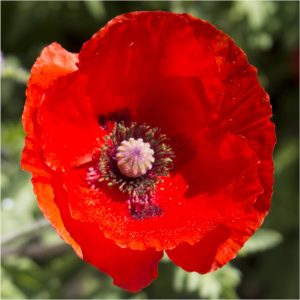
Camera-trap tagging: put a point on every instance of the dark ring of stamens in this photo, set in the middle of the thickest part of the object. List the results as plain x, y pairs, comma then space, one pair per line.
145, 184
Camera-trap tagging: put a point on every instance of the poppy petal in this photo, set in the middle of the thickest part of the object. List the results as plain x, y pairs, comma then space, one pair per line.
216, 248
131, 270
191, 80
222, 243
200, 257
70, 131
32, 158
53, 62
45, 197
197, 210
175, 72
51, 68
143, 57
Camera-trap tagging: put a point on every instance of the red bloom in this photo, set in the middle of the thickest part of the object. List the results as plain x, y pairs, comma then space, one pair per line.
156, 137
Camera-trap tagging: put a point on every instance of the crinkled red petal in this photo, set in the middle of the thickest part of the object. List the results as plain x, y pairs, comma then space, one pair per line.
53, 62
70, 134
32, 158
131, 270
185, 76
216, 248
57, 114
188, 214
222, 244
154, 65
45, 196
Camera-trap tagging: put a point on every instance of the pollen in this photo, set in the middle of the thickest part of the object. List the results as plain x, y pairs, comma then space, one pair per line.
134, 157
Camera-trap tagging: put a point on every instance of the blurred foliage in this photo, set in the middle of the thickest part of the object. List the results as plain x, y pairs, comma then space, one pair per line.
217, 285
37, 264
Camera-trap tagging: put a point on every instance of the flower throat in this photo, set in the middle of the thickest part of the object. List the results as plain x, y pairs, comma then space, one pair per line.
133, 158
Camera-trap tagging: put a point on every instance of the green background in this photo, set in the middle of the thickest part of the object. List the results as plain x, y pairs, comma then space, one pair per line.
37, 264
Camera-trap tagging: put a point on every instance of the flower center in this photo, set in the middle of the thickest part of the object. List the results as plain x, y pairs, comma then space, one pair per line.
134, 157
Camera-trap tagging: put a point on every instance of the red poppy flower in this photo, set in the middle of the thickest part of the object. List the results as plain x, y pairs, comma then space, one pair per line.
156, 137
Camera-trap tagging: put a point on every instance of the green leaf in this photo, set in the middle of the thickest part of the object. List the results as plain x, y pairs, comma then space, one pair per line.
256, 12
12, 69
179, 279
19, 213
96, 9
262, 240
221, 283
287, 156
10, 290
209, 286
193, 282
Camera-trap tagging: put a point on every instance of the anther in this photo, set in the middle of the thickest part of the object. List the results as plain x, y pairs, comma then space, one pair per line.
134, 157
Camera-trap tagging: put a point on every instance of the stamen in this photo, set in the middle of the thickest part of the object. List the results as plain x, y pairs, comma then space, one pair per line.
134, 157
92, 177
141, 207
